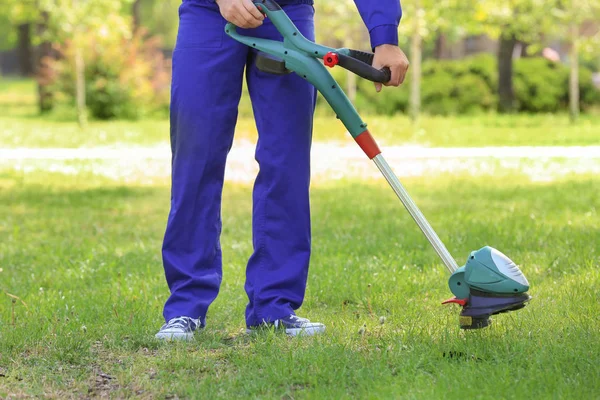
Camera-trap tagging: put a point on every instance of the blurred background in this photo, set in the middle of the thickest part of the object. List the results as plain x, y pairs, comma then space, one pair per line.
495, 133
110, 59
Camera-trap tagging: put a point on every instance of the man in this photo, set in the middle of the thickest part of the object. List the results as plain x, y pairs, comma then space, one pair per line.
208, 69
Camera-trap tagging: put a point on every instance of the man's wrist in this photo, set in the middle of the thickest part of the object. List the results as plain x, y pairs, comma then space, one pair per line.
384, 34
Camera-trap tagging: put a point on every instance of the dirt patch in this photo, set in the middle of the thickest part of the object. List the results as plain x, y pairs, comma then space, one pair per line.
102, 385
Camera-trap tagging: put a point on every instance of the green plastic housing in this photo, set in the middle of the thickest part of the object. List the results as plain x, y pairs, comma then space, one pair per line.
489, 271
302, 56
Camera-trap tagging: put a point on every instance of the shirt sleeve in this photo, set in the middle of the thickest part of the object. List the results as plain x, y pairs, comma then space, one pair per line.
382, 18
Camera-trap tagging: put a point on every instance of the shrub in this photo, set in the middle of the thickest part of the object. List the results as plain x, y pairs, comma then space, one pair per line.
470, 86
126, 77
589, 94
539, 85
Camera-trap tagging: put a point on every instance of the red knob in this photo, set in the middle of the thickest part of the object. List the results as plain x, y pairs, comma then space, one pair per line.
331, 59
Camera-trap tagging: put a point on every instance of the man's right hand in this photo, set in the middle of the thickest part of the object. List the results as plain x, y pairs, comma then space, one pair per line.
241, 13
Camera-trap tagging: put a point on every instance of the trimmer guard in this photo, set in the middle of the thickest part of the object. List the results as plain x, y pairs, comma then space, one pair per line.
489, 283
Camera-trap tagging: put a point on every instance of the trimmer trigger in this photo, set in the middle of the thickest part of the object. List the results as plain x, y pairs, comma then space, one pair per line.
462, 302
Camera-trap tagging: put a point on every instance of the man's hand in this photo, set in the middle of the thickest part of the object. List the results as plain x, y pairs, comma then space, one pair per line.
393, 57
242, 13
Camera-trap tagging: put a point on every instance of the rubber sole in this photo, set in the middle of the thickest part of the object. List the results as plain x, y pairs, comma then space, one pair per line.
172, 336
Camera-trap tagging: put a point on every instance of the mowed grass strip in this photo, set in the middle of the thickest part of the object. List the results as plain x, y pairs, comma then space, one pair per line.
82, 290
21, 126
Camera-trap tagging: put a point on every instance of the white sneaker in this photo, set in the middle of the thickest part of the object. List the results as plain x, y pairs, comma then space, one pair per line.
293, 326
180, 328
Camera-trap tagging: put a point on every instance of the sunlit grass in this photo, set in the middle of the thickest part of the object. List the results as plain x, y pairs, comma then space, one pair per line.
82, 254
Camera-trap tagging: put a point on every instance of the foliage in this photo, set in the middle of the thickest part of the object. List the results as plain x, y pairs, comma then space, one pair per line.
126, 77
69, 18
542, 86
8, 32
20, 128
340, 25
451, 17
469, 85
160, 18
527, 20
12, 14
584, 13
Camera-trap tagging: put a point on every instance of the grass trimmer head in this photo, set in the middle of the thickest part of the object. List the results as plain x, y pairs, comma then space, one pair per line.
489, 283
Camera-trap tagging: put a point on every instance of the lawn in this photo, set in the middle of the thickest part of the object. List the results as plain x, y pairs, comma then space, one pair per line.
21, 127
82, 287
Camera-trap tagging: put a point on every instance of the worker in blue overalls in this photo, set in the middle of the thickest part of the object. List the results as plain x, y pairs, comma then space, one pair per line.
208, 71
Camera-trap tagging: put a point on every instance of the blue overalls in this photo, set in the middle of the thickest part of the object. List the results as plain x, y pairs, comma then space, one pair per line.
208, 69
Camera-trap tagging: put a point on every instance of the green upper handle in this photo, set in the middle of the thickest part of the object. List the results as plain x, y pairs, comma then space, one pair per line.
356, 61
269, 5
302, 56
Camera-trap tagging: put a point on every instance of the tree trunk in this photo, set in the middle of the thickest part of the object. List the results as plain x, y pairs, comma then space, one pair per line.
43, 71
351, 86
24, 50
506, 94
415, 66
574, 75
80, 86
441, 44
135, 12
351, 82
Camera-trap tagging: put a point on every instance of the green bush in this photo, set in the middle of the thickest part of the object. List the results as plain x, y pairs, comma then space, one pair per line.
484, 66
470, 86
125, 78
540, 85
588, 93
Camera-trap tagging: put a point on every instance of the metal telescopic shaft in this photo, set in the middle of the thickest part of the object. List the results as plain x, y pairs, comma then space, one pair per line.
414, 211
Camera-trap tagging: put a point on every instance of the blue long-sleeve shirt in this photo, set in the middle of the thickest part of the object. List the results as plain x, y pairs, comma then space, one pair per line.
381, 17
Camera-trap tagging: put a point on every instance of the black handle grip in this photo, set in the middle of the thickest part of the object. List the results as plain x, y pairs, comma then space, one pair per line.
363, 56
268, 4
360, 63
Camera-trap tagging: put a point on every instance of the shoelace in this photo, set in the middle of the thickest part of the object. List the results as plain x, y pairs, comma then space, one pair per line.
299, 319
179, 322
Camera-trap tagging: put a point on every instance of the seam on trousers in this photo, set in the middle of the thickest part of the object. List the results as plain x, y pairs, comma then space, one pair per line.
260, 252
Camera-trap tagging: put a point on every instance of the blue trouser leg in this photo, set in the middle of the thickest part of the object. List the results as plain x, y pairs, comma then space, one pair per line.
206, 87
207, 78
283, 107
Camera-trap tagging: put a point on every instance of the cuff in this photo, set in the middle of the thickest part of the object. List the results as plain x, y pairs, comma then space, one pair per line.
384, 34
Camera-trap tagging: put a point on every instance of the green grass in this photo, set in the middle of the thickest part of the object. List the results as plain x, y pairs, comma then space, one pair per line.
82, 254
17, 97
20, 126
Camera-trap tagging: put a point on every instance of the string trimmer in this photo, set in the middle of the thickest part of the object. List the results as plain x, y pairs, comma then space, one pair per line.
489, 283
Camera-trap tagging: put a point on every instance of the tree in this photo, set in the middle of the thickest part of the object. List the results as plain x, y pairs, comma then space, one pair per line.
426, 19
135, 13
153, 15
572, 19
510, 22
26, 26
70, 21
25, 48
340, 25
43, 69
16, 19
